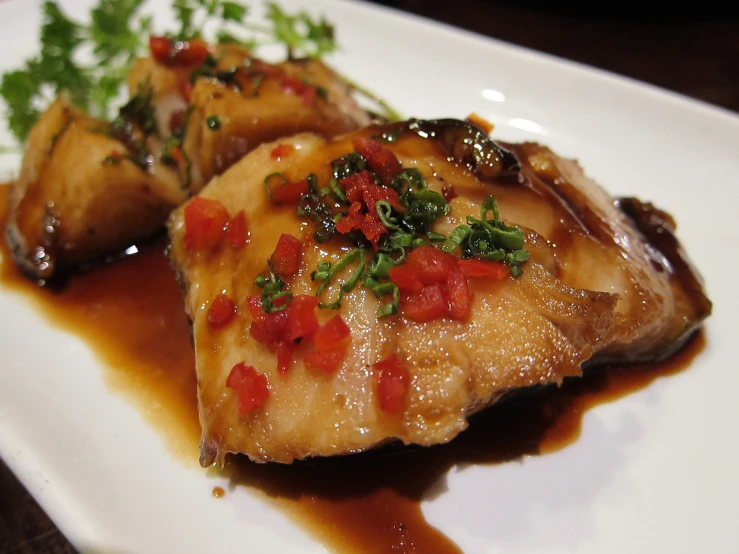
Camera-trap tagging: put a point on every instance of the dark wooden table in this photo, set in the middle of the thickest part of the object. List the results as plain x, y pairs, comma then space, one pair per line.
689, 48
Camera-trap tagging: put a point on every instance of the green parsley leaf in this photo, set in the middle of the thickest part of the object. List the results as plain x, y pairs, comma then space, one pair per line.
231, 11
300, 33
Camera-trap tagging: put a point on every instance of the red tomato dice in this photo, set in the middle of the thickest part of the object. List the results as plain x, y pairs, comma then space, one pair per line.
285, 259
252, 388
434, 266
406, 277
426, 305
393, 381
331, 335
301, 317
205, 221
220, 311
237, 234
459, 295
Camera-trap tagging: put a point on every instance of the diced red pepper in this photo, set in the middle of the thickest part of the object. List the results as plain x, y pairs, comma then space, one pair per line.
285, 259
380, 159
356, 184
458, 295
324, 361
252, 388
331, 335
160, 48
281, 151
448, 192
386, 165
302, 322
497, 271
220, 311
179, 53
366, 146
292, 85
374, 194
370, 225
269, 334
406, 277
254, 305
176, 120
116, 155
426, 305
205, 221
434, 266
351, 220
260, 334
279, 331
290, 192
309, 95
285, 351
393, 380
237, 234
275, 323
190, 53
267, 329
296, 86
331, 341
176, 154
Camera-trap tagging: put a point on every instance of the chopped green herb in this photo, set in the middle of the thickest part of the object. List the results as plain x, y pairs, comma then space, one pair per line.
424, 207
213, 122
456, 237
312, 207
327, 273
118, 34
139, 111
494, 240
273, 180
272, 293
348, 165
112, 160
392, 307
409, 179
300, 33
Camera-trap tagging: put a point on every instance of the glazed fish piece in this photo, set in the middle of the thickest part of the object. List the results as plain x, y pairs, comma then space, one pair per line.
451, 271
233, 102
79, 197
88, 189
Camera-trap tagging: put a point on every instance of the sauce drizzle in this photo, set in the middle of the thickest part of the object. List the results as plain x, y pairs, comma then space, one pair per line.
131, 313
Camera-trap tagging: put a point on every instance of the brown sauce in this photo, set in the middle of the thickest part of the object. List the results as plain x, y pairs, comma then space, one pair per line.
131, 313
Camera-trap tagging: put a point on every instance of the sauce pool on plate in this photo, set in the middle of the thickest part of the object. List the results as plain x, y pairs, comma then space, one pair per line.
131, 313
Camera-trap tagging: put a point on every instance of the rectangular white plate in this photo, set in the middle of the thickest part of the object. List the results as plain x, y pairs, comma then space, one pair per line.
653, 472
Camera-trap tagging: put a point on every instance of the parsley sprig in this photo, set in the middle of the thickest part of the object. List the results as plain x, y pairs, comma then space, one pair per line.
117, 34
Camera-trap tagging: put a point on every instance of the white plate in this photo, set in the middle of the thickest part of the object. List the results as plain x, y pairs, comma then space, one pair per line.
653, 472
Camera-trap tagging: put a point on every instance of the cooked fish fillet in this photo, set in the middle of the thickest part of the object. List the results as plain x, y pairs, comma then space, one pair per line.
73, 202
71, 206
253, 101
594, 289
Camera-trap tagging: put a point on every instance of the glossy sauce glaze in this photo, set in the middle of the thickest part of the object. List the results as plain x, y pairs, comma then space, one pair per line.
130, 312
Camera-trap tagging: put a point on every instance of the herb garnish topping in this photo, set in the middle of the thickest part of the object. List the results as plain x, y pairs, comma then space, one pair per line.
274, 299
118, 33
385, 222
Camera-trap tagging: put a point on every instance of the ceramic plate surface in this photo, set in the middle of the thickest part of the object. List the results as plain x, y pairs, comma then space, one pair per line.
655, 471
